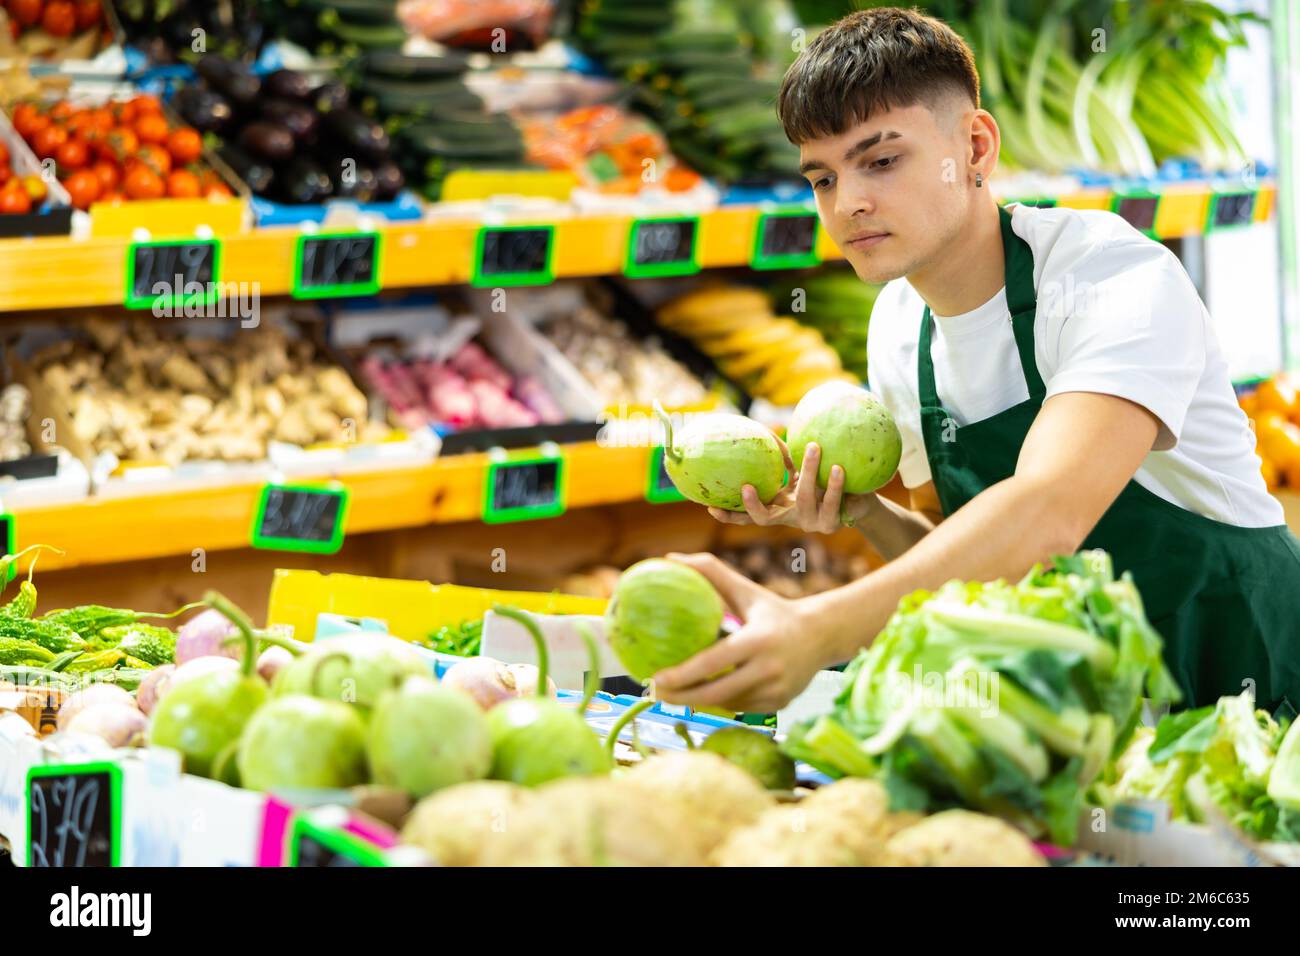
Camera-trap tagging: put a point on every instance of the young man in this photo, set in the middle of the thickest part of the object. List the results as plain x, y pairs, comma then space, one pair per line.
1056, 381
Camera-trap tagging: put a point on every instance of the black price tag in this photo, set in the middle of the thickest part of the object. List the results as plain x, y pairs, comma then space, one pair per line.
311, 845
336, 264
74, 815
514, 255
660, 487
785, 240
1228, 210
523, 490
172, 275
1139, 211
662, 247
300, 518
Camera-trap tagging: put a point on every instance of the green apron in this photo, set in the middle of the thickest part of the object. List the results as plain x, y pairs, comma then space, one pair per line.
1225, 599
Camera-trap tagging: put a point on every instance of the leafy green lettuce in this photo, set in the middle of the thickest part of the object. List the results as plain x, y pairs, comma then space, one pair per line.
1007, 698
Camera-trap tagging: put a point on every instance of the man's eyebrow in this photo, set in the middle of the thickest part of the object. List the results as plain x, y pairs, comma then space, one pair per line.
854, 152
866, 144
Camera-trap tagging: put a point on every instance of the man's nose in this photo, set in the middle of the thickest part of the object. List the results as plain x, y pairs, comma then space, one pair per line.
850, 203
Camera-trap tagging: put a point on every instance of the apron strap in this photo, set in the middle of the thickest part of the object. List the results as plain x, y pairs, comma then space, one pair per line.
1022, 302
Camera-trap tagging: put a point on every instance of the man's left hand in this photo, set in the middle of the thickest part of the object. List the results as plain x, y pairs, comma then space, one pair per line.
759, 668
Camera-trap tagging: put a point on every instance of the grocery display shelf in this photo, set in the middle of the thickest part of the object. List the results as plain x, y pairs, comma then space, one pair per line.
160, 522
56, 273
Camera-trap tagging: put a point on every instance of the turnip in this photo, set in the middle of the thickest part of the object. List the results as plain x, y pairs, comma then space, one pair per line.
93, 696
426, 736
154, 685
298, 741
271, 661
661, 613
355, 669
490, 681
201, 716
536, 739
716, 455
204, 635
853, 429
117, 724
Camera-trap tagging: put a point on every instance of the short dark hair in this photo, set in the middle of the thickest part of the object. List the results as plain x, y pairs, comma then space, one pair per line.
870, 61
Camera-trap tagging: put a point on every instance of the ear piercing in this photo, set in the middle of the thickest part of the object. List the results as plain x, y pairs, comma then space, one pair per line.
979, 180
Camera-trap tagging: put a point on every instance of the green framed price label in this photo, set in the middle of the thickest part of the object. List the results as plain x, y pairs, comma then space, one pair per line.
1137, 207
306, 518
1230, 210
513, 255
662, 247
525, 489
9, 537
659, 487
328, 265
785, 239
312, 845
172, 274
74, 815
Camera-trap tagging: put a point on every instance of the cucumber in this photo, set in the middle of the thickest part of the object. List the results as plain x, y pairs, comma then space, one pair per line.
625, 22
735, 62
395, 64
364, 36
700, 41
357, 11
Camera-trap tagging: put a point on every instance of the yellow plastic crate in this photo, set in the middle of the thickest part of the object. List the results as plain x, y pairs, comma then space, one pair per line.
412, 609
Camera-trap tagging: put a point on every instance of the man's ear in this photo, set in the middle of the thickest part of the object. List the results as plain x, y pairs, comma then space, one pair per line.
985, 141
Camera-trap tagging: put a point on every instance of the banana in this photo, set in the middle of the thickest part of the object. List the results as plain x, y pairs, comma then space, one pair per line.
716, 299
814, 365
705, 324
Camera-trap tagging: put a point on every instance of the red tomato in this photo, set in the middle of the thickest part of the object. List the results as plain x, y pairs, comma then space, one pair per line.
151, 128
83, 187
89, 13
109, 176
59, 18
143, 183
5, 173
26, 12
217, 190
14, 199
4, 154
185, 145
183, 184
47, 142
156, 158
33, 125
120, 143
74, 154
112, 197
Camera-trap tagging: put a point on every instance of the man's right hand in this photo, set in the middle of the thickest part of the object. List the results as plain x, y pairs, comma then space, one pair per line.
801, 504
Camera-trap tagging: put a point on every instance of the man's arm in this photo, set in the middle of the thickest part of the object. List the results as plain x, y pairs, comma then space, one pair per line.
1081, 451
891, 528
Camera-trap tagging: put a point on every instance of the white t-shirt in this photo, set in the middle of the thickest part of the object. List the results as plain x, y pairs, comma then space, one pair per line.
1118, 315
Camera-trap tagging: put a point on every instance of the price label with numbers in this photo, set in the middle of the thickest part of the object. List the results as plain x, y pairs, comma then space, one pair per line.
1228, 210
662, 247
1138, 210
660, 487
785, 240
172, 275
523, 490
8, 535
513, 255
74, 815
311, 845
300, 518
336, 264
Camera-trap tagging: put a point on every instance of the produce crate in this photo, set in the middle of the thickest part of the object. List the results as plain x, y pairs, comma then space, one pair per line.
99, 53
58, 470
54, 215
1140, 833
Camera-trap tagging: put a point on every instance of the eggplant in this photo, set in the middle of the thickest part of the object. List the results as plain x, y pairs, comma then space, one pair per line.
258, 174
330, 96
232, 79
358, 133
300, 120
287, 84
206, 111
389, 180
303, 181
360, 184
268, 141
